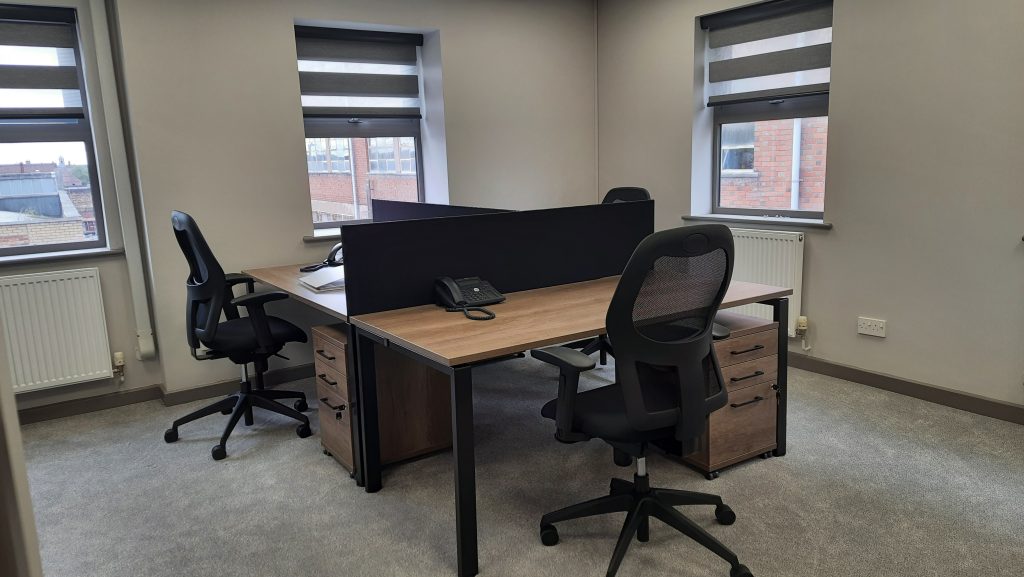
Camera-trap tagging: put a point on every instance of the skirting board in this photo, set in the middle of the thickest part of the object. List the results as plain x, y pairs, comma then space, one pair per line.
88, 405
964, 401
120, 399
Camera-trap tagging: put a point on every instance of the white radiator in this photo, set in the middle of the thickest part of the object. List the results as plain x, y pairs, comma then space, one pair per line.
773, 258
54, 328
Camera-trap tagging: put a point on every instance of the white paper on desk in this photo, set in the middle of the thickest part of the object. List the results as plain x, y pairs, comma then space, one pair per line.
329, 278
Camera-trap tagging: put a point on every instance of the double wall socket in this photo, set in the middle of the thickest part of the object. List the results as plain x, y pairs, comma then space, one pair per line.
871, 327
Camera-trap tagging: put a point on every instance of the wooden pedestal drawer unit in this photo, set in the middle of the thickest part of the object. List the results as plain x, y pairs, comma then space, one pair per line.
746, 426
414, 401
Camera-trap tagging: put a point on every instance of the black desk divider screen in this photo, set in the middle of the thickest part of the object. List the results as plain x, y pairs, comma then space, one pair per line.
393, 265
391, 210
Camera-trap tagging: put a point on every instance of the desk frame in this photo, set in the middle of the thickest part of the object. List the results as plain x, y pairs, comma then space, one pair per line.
461, 379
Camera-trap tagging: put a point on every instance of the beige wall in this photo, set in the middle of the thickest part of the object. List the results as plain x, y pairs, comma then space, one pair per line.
917, 87
213, 95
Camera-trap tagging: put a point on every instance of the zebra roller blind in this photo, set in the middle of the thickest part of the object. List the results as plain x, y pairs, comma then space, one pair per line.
358, 73
776, 49
43, 78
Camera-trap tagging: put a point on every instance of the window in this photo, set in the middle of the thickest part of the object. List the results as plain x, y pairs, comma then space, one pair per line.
407, 154
737, 148
768, 70
382, 155
325, 155
361, 104
393, 155
49, 193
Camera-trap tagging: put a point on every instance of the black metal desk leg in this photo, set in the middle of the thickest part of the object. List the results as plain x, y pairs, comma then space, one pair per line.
369, 421
781, 315
465, 470
352, 382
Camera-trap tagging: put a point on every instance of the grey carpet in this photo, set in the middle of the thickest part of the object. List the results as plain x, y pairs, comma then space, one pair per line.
875, 484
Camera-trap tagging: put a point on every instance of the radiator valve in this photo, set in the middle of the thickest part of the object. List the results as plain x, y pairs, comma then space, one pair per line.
801, 331
801, 326
119, 365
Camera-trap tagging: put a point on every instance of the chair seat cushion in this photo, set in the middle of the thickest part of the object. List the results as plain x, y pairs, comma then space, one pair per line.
601, 413
239, 335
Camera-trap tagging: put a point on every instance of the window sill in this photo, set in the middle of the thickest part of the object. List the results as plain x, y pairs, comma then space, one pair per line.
323, 235
771, 220
739, 173
38, 257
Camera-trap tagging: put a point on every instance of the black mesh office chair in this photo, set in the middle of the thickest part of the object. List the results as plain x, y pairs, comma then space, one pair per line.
601, 344
626, 194
251, 339
660, 320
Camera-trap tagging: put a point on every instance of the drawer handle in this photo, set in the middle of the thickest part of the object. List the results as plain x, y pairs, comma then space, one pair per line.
745, 351
323, 377
738, 379
338, 409
756, 399
325, 355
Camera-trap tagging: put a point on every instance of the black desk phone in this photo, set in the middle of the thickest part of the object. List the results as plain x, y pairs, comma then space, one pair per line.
333, 259
468, 294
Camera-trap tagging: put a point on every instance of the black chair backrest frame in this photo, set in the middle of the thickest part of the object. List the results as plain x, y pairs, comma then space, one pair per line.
626, 194
207, 287
660, 321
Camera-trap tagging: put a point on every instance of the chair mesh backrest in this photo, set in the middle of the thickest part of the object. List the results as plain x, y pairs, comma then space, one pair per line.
676, 299
206, 283
659, 323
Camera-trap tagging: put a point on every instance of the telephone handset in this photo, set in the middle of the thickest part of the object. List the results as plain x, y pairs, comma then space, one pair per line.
333, 259
468, 294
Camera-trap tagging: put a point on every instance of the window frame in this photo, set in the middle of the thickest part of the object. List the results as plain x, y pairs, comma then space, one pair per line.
69, 127
777, 109
335, 127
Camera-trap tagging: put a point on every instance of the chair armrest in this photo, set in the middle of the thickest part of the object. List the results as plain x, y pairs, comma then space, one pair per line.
234, 278
570, 363
253, 304
564, 358
720, 332
258, 299
230, 280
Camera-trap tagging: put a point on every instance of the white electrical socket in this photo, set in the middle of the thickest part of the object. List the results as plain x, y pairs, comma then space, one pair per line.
871, 327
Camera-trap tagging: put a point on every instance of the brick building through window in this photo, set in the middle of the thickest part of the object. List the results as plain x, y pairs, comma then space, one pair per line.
385, 168
45, 203
757, 164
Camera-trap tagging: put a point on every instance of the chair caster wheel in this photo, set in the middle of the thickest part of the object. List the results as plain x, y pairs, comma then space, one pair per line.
301, 406
622, 458
725, 515
619, 487
740, 571
303, 431
170, 435
219, 452
767, 455
548, 535
711, 476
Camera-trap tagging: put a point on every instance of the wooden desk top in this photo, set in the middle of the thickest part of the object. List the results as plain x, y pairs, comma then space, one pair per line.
526, 320
286, 278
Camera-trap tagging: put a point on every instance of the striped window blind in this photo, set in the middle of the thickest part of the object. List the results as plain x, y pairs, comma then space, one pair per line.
767, 51
358, 73
39, 65
48, 169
